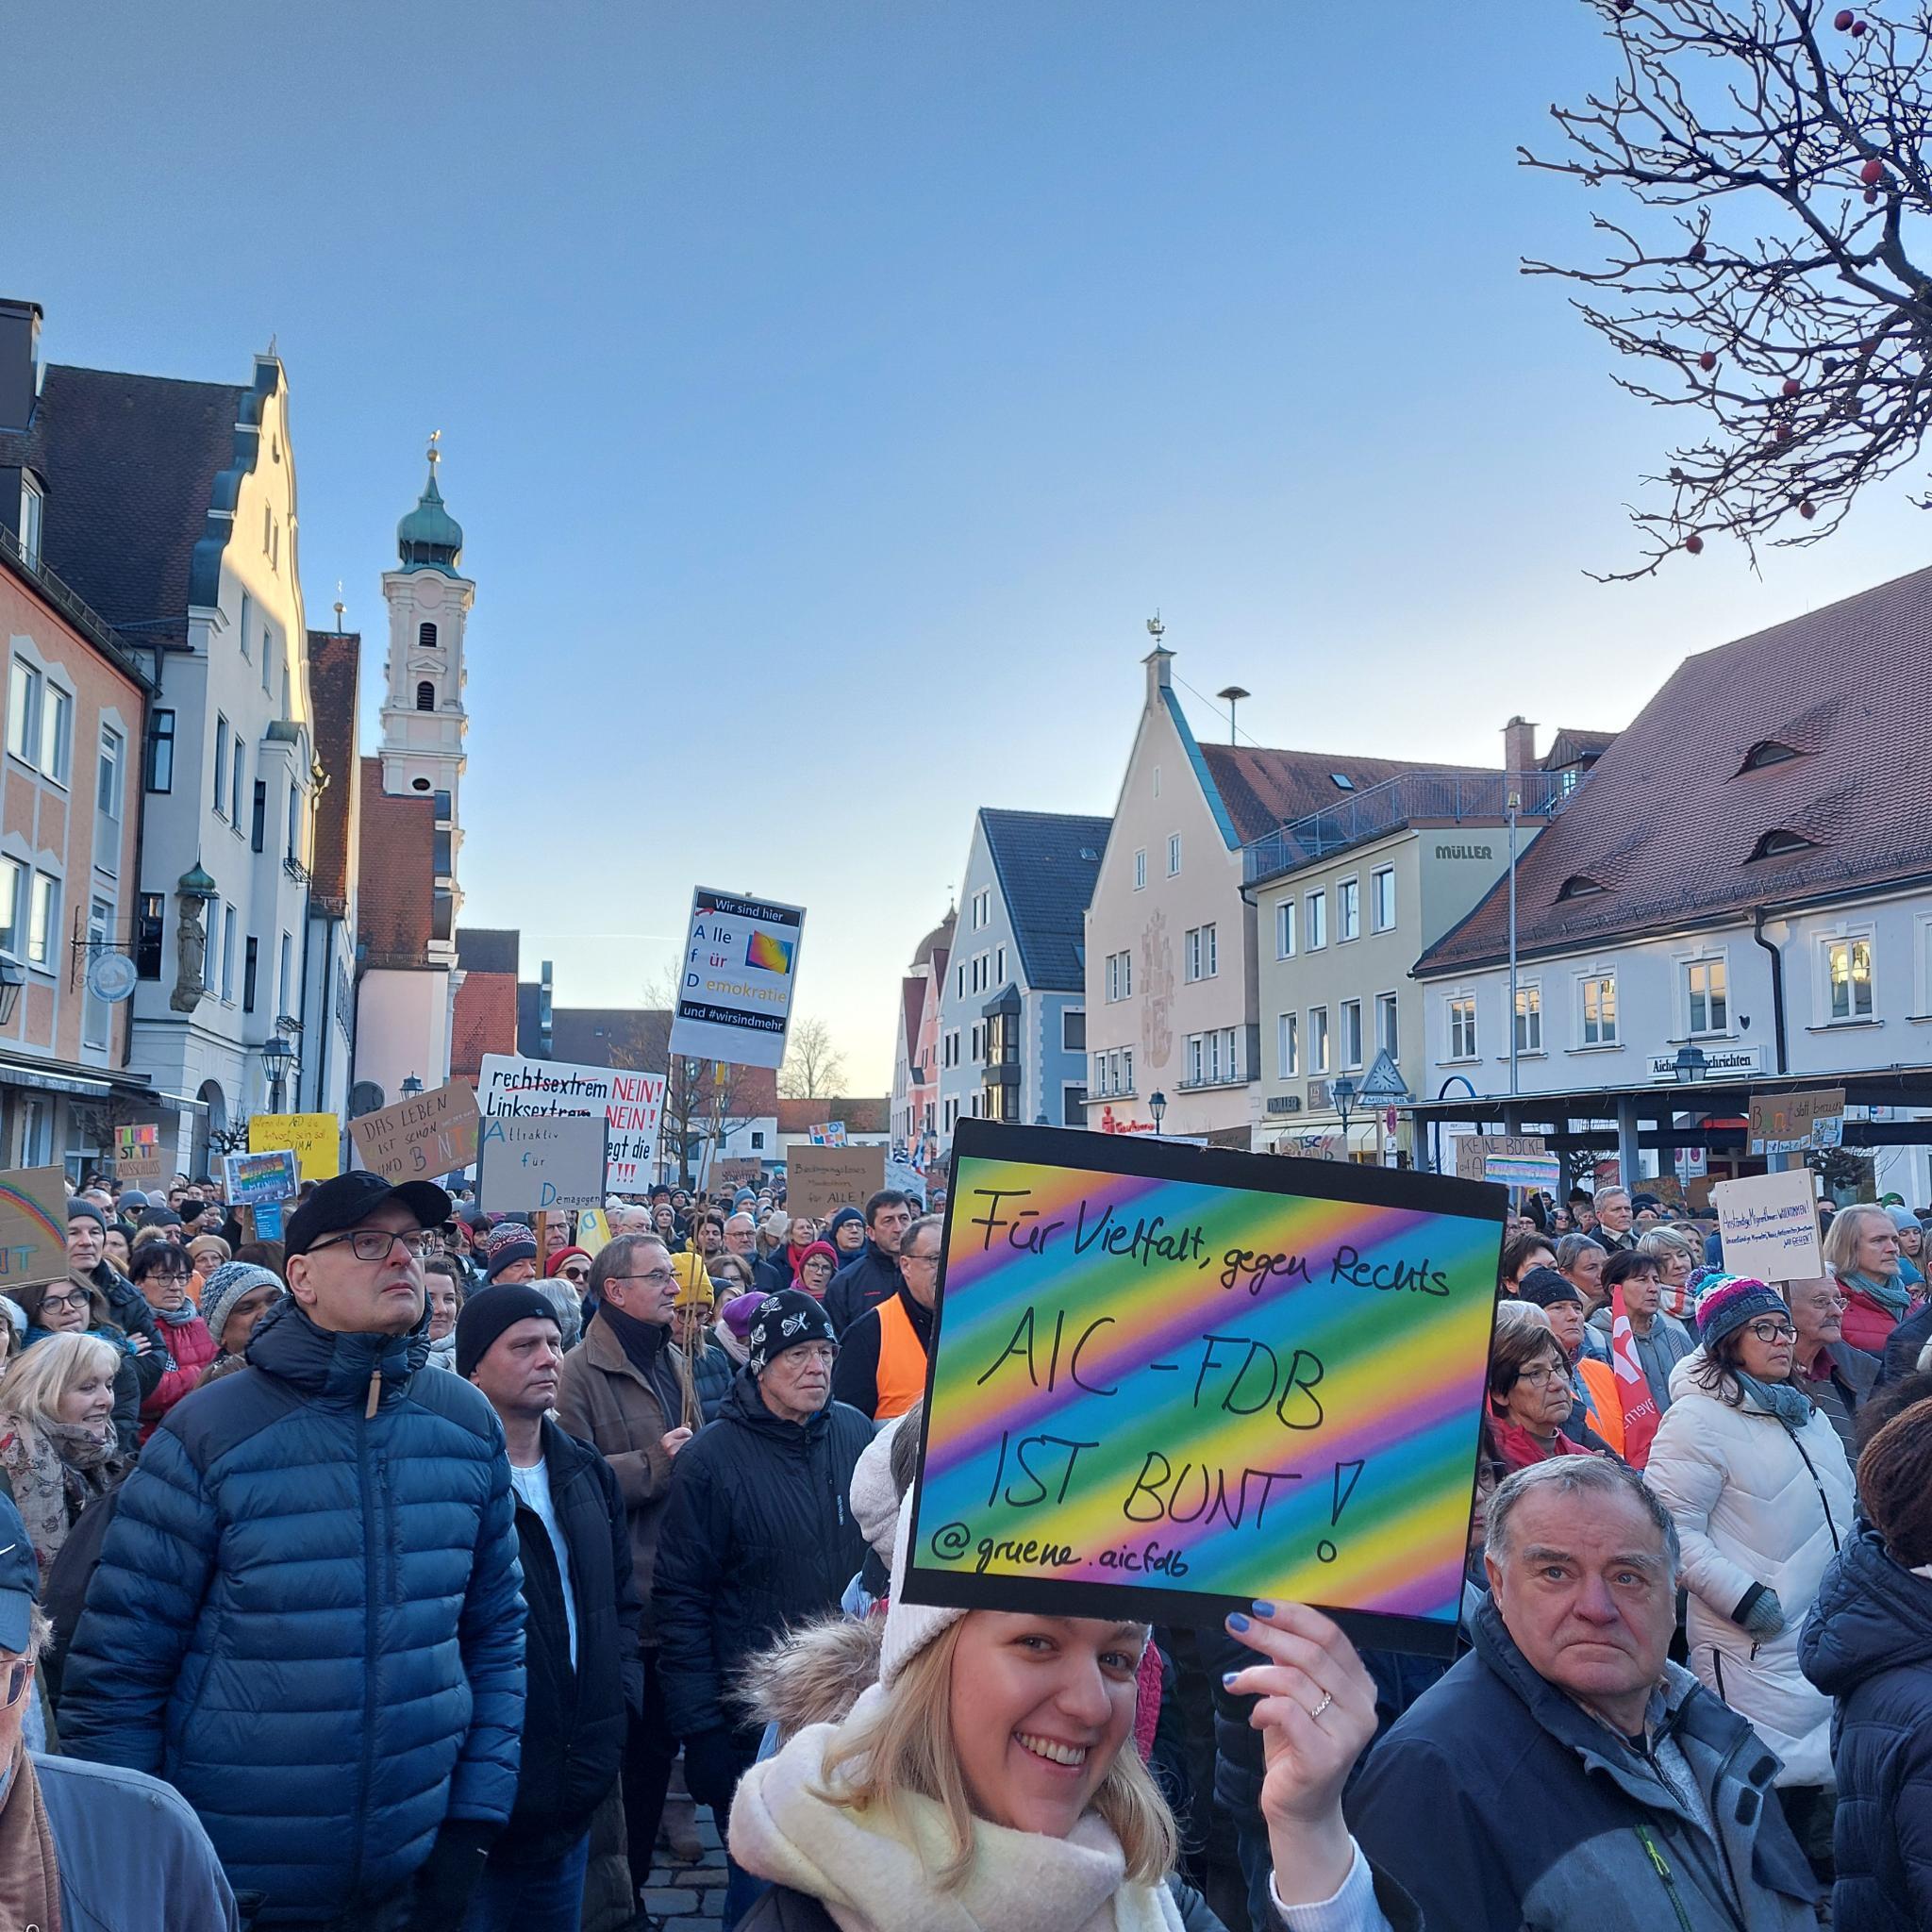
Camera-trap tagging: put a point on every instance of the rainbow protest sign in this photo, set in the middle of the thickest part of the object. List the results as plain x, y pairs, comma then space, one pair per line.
1198, 1378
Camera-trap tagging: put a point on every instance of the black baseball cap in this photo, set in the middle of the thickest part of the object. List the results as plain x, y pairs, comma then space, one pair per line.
19, 1579
350, 1199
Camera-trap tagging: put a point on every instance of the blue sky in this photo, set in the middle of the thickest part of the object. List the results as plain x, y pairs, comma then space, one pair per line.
830, 392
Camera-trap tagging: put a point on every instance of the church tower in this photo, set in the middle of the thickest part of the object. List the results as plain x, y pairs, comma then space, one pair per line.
424, 722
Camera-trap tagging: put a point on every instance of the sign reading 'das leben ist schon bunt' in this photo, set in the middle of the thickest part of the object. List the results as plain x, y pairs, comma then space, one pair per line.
1167, 1381
734, 989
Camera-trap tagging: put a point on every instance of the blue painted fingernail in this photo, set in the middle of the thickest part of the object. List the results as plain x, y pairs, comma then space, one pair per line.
1227, 1678
1264, 1610
1236, 1621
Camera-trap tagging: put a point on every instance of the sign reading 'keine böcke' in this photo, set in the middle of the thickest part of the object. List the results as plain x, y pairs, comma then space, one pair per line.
1167, 1381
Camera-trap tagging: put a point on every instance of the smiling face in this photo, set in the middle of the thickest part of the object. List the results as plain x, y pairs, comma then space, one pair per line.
1584, 1588
1040, 1707
239, 1324
88, 1401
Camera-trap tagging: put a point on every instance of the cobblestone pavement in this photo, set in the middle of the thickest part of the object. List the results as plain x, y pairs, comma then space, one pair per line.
688, 1898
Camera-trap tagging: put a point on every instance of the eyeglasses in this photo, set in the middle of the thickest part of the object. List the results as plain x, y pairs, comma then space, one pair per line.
163, 1275
658, 1277
1773, 1331
16, 1682
372, 1244
572, 1272
63, 1301
1537, 1377
931, 1261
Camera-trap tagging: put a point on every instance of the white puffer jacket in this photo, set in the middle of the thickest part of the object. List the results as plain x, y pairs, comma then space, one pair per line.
1754, 1503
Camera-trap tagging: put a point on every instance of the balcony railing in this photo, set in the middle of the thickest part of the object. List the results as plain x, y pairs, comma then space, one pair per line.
1446, 797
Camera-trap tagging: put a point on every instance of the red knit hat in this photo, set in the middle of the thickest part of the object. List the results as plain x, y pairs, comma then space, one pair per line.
554, 1265
825, 1248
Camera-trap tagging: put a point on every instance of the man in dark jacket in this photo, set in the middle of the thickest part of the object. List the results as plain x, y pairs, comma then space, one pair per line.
127, 1308
1564, 1774
881, 1367
580, 1637
873, 1273
758, 1535
1904, 1345
307, 1616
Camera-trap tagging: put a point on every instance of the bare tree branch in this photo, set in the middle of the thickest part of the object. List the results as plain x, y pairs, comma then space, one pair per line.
1780, 147
814, 1067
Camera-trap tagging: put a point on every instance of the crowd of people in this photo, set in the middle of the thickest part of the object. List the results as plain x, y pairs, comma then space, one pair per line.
427, 1569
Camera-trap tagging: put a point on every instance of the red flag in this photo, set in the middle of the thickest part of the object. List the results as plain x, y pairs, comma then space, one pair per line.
1640, 1415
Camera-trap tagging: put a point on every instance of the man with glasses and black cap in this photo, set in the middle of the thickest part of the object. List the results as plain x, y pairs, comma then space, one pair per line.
307, 1615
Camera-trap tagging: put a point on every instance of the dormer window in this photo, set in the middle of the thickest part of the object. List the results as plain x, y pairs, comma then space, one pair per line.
1341, 781
1775, 844
1767, 751
31, 508
1579, 885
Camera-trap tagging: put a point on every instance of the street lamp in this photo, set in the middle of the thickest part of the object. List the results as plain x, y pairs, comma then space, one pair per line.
277, 1057
411, 1085
1690, 1065
1157, 1103
1341, 1097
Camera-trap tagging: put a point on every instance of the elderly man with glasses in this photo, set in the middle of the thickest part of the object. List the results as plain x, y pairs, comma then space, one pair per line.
624, 1389
307, 1615
881, 1367
758, 1538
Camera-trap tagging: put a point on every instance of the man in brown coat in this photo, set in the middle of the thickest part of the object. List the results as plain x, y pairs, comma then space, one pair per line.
624, 1388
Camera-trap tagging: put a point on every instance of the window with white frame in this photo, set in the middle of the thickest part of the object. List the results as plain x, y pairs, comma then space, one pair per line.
1284, 929
1597, 1025
1288, 1046
1317, 926
1317, 1039
959, 979
108, 784
1351, 1033
982, 907
1140, 869
32, 508
1707, 997
1209, 1057
1173, 854
285, 982
1388, 1025
975, 1047
97, 1014
1462, 1027
234, 783
999, 966
13, 877
1529, 1018
56, 732
1200, 953
1120, 976
43, 921
221, 766
230, 927
1126, 1085
1073, 1104
23, 710
1348, 909
1847, 981
1382, 899
1073, 1029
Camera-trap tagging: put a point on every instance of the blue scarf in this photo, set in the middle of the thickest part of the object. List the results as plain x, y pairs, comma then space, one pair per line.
1894, 1296
1792, 1407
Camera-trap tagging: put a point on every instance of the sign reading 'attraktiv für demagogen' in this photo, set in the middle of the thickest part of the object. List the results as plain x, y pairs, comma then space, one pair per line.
1166, 1381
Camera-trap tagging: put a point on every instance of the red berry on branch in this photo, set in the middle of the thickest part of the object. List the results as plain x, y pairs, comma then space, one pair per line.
1843, 19
1873, 172
1791, 385
1694, 544
1857, 29
1706, 360
1871, 197
1783, 432
1808, 510
1695, 252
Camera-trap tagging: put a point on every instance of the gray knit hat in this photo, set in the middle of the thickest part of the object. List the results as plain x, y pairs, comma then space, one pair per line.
226, 1287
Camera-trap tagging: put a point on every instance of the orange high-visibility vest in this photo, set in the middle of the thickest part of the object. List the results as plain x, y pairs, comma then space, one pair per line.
901, 1362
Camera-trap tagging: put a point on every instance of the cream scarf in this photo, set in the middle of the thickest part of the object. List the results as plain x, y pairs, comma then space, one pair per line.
873, 1875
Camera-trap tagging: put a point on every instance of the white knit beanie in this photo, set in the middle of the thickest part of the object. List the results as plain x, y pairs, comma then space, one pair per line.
874, 1498
909, 1627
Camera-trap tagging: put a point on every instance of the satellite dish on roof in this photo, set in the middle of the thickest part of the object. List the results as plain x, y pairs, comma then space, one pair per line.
111, 977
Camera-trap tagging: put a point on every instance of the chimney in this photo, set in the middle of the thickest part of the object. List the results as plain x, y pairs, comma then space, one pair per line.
20, 361
1519, 746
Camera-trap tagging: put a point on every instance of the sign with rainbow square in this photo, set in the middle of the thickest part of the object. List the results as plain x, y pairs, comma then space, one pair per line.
1166, 1381
734, 990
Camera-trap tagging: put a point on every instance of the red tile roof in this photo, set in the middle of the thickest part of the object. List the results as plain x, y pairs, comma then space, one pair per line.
334, 674
860, 1116
1264, 789
398, 880
1668, 819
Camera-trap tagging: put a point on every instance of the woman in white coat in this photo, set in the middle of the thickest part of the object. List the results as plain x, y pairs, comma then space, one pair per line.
1757, 1480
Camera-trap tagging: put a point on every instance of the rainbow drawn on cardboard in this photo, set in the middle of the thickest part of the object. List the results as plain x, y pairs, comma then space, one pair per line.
1315, 1440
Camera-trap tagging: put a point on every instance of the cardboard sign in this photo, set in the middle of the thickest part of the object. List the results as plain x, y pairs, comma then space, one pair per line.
1474, 1151
737, 1173
315, 1138
554, 1162
427, 1134
734, 994
33, 1225
819, 1179
1792, 1123
1165, 1382
252, 1180
632, 1104
138, 1156
1769, 1225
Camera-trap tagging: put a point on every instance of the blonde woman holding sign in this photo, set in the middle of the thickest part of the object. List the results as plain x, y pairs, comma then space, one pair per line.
987, 1782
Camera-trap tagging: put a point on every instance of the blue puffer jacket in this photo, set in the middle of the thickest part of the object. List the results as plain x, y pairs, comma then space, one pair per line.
1868, 1644
307, 1618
